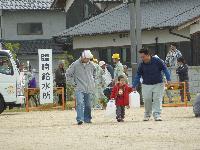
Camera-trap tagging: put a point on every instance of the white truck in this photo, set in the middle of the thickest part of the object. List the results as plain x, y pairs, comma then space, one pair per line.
10, 86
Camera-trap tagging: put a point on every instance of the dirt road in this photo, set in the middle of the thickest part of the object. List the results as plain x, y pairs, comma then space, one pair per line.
57, 130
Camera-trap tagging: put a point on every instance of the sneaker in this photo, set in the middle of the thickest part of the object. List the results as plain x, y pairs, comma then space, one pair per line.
80, 123
88, 122
158, 119
146, 118
119, 119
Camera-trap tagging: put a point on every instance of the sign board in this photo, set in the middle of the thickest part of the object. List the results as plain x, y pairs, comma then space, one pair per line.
45, 76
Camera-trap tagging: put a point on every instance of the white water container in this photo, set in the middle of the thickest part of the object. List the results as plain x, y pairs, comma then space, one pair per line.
134, 99
111, 109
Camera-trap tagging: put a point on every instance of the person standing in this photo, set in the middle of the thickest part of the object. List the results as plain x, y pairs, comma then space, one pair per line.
34, 100
150, 69
119, 69
172, 56
108, 76
182, 72
126, 70
60, 80
108, 73
82, 74
171, 61
99, 86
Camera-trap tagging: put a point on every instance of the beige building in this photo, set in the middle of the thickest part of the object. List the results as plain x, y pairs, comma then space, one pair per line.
162, 22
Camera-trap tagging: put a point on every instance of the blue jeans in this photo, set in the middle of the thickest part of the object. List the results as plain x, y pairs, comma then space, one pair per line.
83, 106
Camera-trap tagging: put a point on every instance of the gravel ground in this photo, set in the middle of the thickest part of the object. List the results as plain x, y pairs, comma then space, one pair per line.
57, 130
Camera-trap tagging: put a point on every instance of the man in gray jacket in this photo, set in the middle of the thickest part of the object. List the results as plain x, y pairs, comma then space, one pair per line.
82, 74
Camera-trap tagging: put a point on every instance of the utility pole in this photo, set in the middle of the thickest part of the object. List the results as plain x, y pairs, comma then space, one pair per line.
135, 32
138, 27
1, 30
132, 12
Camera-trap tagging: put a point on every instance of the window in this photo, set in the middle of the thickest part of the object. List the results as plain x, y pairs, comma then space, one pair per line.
5, 65
29, 29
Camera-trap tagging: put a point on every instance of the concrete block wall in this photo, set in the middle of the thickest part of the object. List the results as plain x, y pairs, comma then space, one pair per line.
194, 78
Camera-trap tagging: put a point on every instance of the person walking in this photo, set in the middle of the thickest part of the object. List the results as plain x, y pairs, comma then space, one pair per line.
82, 74
60, 80
120, 94
150, 69
182, 72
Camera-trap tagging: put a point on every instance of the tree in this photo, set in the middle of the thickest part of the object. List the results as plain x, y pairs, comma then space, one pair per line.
14, 48
67, 59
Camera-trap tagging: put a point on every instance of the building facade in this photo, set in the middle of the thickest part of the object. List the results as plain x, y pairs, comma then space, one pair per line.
163, 22
31, 24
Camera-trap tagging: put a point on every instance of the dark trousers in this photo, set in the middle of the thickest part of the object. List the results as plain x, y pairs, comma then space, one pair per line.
120, 112
60, 96
187, 92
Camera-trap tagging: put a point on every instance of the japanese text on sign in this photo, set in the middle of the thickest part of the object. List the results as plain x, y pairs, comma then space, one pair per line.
45, 76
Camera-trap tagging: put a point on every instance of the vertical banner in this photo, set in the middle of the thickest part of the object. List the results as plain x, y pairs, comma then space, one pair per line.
45, 75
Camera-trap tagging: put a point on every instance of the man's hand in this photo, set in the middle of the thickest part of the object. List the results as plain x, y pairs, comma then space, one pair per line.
169, 82
134, 89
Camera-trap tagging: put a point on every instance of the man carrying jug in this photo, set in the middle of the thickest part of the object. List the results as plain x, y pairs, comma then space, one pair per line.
82, 74
150, 69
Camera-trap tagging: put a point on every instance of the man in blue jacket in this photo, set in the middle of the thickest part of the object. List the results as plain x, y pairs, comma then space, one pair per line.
150, 70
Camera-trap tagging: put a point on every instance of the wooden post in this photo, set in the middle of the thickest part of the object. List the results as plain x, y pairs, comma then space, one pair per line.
63, 98
27, 100
184, 90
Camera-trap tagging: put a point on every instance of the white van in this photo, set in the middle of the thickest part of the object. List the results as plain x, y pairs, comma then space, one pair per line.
10, 86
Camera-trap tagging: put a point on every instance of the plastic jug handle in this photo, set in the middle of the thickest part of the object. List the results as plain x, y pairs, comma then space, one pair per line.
112, 100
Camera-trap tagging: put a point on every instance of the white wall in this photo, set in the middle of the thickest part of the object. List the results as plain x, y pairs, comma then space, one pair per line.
103, 6
109, 40
52, 22
68, 4
195, 28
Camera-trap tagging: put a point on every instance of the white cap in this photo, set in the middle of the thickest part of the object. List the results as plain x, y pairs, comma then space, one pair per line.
87, 54
156, 56
101, 63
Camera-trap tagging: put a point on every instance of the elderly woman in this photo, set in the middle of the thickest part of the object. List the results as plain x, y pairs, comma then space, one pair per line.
60, 79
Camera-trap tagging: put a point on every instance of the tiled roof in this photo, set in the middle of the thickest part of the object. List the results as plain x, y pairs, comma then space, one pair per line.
25, 4
32, 46
117, 0
106, 0
157, 14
